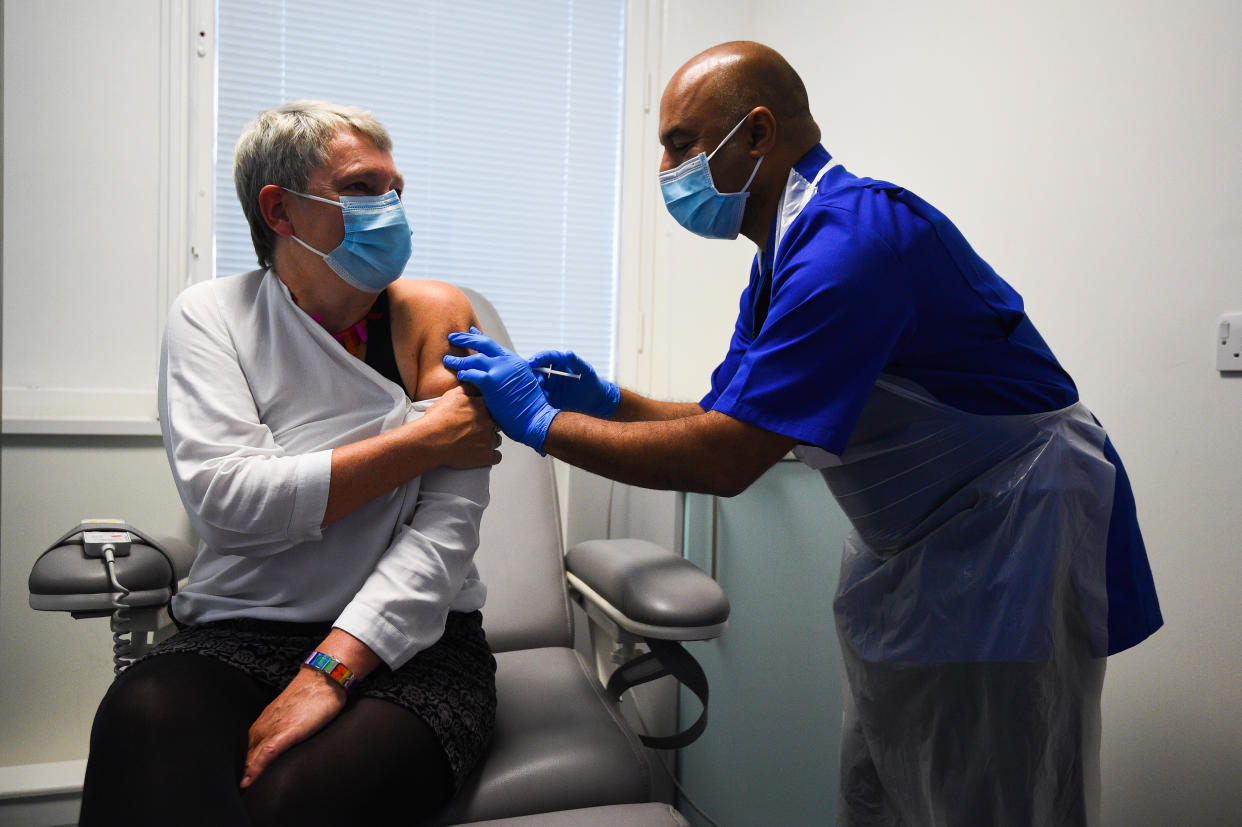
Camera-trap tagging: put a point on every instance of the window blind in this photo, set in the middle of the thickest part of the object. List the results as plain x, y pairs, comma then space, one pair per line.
506, 123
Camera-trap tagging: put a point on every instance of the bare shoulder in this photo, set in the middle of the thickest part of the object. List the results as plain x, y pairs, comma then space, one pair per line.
431, 304
423, 313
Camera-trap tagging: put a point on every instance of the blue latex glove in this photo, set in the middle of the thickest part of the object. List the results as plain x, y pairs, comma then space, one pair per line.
513, 394
588, 394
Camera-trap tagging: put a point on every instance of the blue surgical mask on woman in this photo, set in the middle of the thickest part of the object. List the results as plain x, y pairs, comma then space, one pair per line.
692, 198
377, 241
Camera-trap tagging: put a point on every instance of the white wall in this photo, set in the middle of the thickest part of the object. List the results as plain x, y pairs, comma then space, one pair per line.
97, 175
1090, 152
679, 290
87, 267
64, 666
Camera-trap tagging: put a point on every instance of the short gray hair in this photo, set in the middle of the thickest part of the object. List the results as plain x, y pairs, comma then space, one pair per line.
284, 146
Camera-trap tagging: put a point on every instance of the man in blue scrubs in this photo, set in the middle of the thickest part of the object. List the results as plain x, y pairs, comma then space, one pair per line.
996, 558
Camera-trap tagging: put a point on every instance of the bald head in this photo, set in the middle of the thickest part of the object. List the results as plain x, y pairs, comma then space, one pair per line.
745, 107
731, 79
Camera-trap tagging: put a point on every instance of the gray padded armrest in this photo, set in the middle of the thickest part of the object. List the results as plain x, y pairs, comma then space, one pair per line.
65, 580
648, 590
179, 551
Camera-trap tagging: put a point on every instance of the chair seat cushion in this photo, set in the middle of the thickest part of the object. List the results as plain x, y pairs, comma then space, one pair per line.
558, 744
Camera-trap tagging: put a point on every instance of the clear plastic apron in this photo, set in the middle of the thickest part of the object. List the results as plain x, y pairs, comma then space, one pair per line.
970, 607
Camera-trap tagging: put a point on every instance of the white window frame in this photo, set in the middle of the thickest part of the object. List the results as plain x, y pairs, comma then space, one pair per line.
186, 97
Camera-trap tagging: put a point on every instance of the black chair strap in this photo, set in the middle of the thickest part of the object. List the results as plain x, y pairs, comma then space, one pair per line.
666, 657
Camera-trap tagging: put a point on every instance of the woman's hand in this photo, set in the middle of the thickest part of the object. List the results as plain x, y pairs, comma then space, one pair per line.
456, 431
466, 432
309, 702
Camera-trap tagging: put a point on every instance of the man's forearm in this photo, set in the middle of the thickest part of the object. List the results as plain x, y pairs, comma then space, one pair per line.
638, 408
709, 453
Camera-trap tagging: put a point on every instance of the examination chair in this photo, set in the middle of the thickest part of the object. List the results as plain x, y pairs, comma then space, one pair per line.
562, 753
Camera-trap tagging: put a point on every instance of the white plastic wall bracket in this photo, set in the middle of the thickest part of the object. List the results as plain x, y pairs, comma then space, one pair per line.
1229, 343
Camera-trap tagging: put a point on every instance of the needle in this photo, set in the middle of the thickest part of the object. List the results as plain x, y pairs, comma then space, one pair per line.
547, 371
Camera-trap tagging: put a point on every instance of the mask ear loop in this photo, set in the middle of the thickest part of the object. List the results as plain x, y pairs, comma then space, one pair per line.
307, 246
753, 173
732, 132
316, 198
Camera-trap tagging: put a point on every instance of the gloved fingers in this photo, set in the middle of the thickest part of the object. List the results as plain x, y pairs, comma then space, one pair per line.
565, 360
480, 378
475, 361
549, 359
576, 364
475, 340
554, 359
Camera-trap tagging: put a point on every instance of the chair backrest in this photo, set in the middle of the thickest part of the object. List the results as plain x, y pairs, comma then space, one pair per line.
521, 555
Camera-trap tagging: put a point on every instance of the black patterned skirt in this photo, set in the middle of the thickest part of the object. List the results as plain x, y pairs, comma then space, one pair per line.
451, 685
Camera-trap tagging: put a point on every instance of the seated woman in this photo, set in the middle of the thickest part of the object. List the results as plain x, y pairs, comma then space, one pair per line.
330, 661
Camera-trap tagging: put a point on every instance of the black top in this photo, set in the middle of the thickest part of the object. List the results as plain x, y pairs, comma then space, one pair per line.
380, 354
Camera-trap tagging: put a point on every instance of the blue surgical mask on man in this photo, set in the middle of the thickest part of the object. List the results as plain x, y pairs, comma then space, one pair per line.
377, 241
692, 198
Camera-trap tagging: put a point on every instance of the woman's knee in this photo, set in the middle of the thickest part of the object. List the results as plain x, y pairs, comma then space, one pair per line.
170, 732
138, 700
176, 698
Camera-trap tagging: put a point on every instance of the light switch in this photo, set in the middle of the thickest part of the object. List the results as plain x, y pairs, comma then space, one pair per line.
1229, 343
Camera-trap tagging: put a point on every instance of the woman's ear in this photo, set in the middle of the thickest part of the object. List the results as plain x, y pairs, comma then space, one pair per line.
272, 205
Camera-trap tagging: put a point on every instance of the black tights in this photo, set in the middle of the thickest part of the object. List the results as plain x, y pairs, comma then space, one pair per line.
170, 738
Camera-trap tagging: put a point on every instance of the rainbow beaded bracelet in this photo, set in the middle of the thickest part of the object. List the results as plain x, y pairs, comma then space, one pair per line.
331, 667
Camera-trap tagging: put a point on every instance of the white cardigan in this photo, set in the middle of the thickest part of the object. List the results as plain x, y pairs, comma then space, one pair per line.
253, 397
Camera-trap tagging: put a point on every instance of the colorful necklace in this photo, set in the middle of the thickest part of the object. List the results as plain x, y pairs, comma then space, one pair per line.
353, 337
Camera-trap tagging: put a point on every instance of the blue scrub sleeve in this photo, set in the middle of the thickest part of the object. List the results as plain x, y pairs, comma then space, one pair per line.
841, 306
738, 345
1133, 608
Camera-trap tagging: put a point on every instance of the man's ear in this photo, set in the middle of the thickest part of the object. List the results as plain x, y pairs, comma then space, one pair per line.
762, 131
272, 205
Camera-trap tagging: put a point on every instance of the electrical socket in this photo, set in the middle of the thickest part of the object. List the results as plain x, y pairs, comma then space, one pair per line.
1229, 343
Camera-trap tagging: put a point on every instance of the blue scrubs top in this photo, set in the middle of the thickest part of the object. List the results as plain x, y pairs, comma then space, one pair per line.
871, 279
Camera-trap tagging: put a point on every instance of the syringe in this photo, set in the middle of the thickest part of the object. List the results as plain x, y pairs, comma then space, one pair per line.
547, 371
